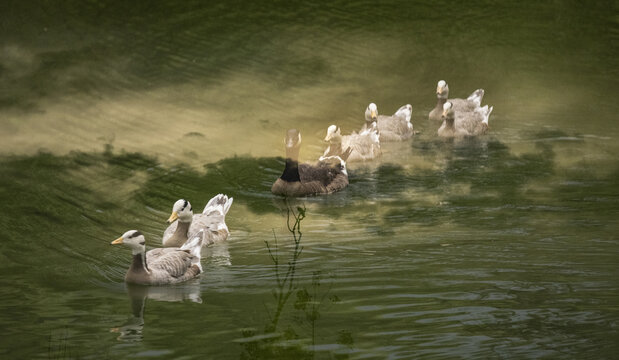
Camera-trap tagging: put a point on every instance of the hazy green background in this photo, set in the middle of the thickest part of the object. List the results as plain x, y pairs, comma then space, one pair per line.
505, 247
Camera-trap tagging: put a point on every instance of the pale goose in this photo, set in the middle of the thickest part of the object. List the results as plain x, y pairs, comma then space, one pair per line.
212, 220
162, 265
469, 104
465, 124
396, 127
327, 176
365, 145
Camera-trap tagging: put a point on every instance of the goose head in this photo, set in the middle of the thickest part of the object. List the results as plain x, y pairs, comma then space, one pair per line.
132, 239
293, 144
442, 90
405, 111
181, 211
293, 139
333, 134
371, 113
448, 112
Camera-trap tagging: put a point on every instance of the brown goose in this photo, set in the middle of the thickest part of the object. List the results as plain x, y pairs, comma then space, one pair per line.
162, 265
459, 105
396, 127
184, 223
466, 124
327, 176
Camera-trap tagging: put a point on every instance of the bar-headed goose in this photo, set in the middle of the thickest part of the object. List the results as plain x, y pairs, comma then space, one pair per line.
184, 223
465, 124
469, 104
162, 265
327, 176
365, 145
396, 127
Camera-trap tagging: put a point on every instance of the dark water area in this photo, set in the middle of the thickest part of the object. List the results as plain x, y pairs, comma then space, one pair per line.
499, 247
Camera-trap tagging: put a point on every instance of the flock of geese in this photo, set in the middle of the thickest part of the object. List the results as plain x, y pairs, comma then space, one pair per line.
179, 259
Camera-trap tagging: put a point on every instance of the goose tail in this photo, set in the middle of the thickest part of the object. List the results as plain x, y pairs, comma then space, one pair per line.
194, 246
346, 154
476, 96
486, 113
219, 203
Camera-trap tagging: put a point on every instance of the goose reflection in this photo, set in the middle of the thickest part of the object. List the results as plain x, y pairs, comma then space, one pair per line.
131, 330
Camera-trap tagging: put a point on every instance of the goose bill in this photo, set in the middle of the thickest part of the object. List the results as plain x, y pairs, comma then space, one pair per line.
117, 241
173, 217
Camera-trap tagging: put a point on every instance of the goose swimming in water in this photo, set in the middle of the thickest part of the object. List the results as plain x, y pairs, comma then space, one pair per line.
464, 124
162, 265
184, 223
469, 104
396, 127
365, 145
327, 176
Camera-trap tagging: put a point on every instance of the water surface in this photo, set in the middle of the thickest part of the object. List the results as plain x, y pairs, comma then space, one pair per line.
500, 247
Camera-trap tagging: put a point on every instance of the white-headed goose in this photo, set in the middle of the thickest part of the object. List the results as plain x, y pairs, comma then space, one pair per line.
325, 177
469, 104
184, 223
365, 145
396, 127
465, 124
162, 265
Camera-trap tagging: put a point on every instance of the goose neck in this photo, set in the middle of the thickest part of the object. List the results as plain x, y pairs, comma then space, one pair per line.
139, 263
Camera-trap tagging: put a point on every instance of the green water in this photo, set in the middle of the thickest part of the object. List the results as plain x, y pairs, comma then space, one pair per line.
500, 247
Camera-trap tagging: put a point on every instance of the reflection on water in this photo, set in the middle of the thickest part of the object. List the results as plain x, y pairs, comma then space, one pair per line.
185, 85
468, 221
132, 329
500, 247
218, 254
276, 343
285, 281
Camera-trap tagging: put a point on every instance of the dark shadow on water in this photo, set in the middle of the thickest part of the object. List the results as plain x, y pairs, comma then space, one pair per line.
477, 177
60, 207
246, 179
49, 201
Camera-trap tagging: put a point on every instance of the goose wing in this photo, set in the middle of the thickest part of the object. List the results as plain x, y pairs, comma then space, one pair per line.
323, 172
169, 231
393, 126
470, 104
468, 122
364, 145
171, 262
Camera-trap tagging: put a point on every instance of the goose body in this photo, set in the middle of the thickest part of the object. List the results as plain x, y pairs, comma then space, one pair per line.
397, 127
365, 145
163, 265
184, 223
470, 104
466, 124
327, 176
